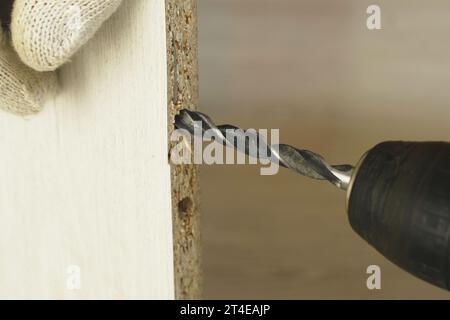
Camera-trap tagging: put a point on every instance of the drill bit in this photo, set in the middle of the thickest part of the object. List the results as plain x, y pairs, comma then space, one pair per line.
304, 162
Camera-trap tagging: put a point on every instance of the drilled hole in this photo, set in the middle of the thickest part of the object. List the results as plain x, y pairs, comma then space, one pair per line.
185, 207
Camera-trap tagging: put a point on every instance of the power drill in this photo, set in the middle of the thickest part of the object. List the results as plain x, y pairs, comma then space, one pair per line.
398, 196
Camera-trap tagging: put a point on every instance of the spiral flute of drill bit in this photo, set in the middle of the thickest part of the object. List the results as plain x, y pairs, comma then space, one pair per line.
304, 162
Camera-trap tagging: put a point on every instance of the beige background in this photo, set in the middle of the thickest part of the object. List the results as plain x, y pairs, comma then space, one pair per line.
312, 69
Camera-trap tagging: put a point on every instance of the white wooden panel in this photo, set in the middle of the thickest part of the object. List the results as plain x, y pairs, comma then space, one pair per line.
87, 182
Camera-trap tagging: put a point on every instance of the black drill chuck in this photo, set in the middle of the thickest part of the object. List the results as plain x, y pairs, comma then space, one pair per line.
399, 202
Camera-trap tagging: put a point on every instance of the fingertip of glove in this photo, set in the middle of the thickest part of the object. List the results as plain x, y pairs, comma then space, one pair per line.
23, 91
36, 94
28, 97
46, 35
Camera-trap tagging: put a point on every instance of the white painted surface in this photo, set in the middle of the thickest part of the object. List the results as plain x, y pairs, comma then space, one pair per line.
87, 182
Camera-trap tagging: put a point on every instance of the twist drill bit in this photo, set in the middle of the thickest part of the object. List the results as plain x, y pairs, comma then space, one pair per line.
304, 162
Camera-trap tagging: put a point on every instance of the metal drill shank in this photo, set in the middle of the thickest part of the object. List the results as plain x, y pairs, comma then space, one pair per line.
304, 162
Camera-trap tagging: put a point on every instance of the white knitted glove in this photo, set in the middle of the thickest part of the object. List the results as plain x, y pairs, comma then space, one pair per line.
23, 90
45, 34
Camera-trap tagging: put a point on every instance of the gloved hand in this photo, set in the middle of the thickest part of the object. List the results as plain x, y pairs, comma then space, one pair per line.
44, 34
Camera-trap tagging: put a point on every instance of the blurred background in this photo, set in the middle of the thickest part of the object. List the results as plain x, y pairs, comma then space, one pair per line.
312, 69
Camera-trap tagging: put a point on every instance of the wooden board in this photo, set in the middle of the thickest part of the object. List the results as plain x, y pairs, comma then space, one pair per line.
182, 57
85, 185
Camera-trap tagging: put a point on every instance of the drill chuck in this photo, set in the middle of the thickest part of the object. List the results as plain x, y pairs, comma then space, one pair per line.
399, 202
